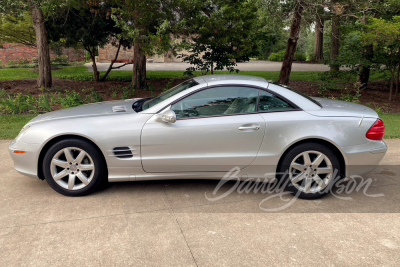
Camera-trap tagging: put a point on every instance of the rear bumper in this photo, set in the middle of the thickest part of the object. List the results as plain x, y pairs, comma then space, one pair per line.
25, 164
362, 159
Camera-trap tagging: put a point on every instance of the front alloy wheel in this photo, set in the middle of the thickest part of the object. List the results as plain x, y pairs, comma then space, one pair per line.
74, 167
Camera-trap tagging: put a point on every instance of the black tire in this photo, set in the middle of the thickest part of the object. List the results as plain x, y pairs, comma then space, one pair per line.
293, 153
100, 169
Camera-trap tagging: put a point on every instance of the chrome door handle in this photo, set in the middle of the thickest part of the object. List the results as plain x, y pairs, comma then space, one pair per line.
249, 127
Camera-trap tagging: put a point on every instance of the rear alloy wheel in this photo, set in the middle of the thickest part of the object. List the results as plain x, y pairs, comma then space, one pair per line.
310, 168
73, 167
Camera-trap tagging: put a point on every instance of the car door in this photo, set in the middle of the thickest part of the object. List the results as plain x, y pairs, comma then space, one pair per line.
216, 129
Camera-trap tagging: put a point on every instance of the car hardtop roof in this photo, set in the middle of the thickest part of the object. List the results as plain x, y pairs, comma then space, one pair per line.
227, 78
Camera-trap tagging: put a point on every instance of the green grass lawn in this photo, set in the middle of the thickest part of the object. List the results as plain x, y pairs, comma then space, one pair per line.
81, 73
392, 123
10, 125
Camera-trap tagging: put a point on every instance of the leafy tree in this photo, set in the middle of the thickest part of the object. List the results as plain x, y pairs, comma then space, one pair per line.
88, 25
147, 24
218, 33
17, 29
35, 9
271, 25
384, 35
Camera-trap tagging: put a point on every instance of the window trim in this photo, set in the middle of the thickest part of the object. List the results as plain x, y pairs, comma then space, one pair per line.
296, 108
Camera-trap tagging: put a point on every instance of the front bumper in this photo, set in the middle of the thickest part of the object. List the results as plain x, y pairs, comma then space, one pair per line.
26, 164
363, 159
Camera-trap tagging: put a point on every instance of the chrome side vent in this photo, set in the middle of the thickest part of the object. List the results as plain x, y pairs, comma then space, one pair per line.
122, 152
119, 109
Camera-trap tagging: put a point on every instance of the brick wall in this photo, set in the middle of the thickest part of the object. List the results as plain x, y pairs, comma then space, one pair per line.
74, 55
107, 54
17, 52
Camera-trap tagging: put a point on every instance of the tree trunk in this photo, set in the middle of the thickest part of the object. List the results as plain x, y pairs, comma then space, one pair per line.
319, 40
139, 67
112, 62
96, 73
391, 86
398, 75
335, 43
42, 44
365, 71
291, 45
397, 81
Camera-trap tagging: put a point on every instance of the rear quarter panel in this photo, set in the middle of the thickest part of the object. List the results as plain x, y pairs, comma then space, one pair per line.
283, 129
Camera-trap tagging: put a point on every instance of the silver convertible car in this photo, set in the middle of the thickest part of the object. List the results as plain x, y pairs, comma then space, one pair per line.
202, 129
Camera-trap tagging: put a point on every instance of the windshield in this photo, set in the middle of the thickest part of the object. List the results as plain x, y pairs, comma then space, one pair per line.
171, 92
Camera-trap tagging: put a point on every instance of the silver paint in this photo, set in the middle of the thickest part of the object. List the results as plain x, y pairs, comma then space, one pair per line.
204, 147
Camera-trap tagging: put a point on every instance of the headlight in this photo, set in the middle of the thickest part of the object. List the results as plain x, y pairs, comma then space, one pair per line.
23, 131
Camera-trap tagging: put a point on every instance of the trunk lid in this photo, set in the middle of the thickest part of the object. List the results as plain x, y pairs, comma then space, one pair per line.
337, 108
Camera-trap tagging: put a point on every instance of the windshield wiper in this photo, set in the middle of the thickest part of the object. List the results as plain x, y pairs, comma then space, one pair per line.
137, 106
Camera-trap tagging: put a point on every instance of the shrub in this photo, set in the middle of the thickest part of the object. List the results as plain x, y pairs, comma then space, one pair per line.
23, 62
128, 92
60, 60
18, 104
12, 64
43, 103
279, 56
71, 99
298, 56
94, 97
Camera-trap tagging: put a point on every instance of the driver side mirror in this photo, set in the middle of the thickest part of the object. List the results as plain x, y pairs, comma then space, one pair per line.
168, 116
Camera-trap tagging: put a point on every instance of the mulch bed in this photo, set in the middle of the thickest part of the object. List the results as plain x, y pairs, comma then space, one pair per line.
375, 96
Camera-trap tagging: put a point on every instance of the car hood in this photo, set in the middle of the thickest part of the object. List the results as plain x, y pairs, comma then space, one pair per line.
89, 110
336, 108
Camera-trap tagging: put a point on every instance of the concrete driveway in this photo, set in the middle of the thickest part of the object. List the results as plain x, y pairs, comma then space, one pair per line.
246, 66
171, 223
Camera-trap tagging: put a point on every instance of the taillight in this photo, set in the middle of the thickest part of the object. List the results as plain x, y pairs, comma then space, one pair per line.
377, 131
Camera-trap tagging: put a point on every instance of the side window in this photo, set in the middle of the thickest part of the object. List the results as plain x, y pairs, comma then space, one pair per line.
218, 101
269, 102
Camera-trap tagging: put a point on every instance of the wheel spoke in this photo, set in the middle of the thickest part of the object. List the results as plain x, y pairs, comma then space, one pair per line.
307, 185
306, 157
71, 181
80, 157
324, 170
60, 163
298, 167
318, 160
298, 177
319, 181
60, 175
86, 167
83, 178
68, 155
